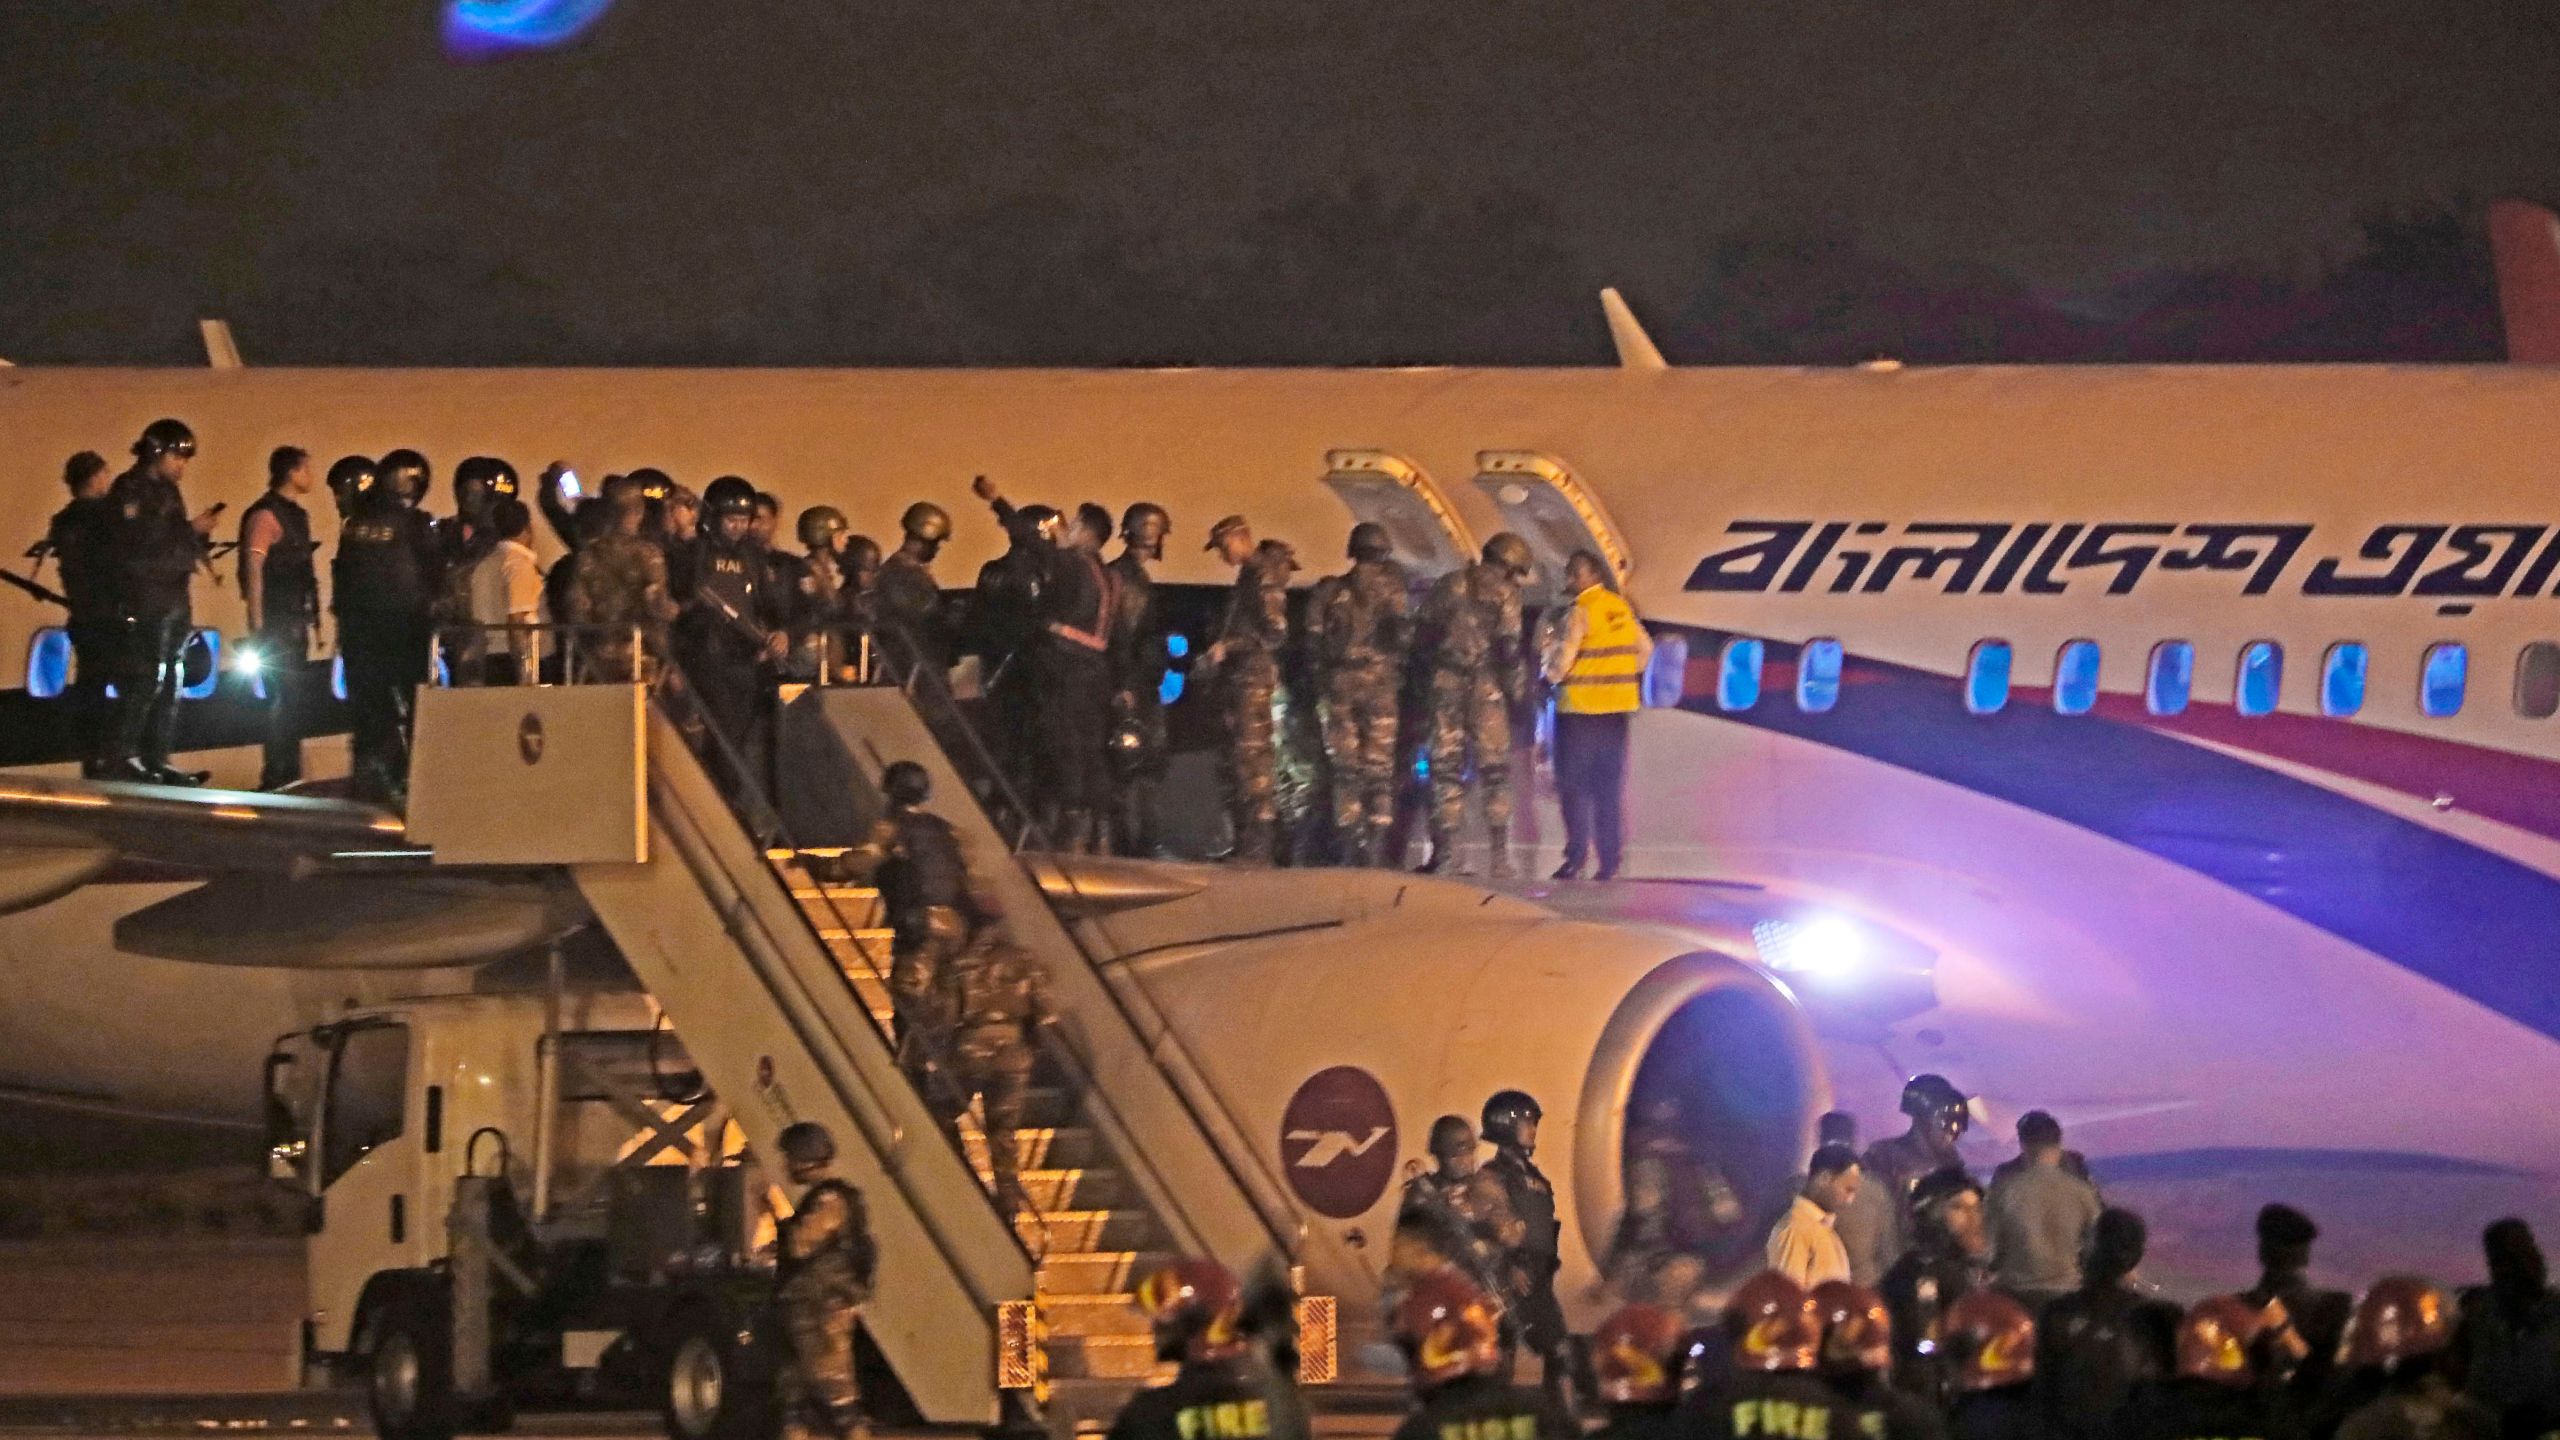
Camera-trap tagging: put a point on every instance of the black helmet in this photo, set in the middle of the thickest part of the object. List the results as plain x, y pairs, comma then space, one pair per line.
486, 474
1145, 512
728, 495
906, 783
165, 437
806, 1142
405, 474
1511, 553
820, 525
351, 479
1504, 1112
926, 521
653, 483
1369, 541
1039, 522
1931, 1095
622, 490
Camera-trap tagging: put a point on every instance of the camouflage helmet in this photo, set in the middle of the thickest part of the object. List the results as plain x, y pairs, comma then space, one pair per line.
819, 526
1511, 553
906, 783
1370, 541
926, 521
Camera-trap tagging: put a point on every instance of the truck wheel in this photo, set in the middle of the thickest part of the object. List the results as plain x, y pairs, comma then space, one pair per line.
409, 1380
710, 1391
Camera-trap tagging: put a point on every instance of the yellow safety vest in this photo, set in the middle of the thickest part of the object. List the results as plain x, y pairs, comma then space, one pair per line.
1607, 677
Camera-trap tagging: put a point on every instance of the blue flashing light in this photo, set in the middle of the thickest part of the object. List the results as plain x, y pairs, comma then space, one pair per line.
1818, 676
1178, 646
48, 663
2075, 678
338, 677
475, 29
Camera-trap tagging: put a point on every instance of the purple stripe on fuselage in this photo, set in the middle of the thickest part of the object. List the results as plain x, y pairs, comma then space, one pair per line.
2477, 923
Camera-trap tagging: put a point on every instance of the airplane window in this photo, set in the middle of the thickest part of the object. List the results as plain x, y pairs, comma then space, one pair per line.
1818, 676
1738, 674
2260, 683
1986, 677
2538, 681
48, 662
2442, 681
2075, 678
200, 666
1666, 675
2342, 679
2172, 679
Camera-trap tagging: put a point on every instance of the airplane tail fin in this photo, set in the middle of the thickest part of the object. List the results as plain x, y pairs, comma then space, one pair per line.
1636, 349
2524, 241
220, 350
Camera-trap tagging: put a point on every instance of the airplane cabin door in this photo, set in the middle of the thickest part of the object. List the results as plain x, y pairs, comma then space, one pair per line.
1546, 504
1430, 537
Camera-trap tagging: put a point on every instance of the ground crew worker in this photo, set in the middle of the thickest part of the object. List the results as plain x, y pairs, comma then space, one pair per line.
1680, 1210
1469, 650
156, 550
1877, 1228
827, 1260
620, 589
81, 538
1943, 1265
1245, 660
280, 587
2401, 1338
382, 585
1857, 1354
1222, 1390
1451, 1336
1773, 1340
1004, 619
730, 628
998, 996
1456, 1214
910, 599
1510, 1122
1804, 1245
2214, 1393
1597, 666
927, 897
1992, 1340
1139, 749
1364, 630
1636, 1358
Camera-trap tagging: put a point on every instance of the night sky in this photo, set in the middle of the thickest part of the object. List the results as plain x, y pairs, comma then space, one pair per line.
1292, 181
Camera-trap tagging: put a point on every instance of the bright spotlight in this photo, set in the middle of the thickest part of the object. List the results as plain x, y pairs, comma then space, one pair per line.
1825, 948
246, 661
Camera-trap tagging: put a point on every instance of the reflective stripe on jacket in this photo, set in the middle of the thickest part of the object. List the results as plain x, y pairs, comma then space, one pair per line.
1607, 676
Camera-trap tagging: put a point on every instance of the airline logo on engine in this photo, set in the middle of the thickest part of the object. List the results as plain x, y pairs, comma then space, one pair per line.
1338, 1142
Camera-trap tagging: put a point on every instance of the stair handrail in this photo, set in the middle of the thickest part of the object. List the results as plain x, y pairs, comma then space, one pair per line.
1263, 1190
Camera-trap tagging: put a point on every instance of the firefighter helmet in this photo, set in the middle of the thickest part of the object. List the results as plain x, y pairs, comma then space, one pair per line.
1448, 1328
1196, 1309
1857, 1331
2214, 1340
2401, 1318
1993, 1339
1771, 1325
1636, 1355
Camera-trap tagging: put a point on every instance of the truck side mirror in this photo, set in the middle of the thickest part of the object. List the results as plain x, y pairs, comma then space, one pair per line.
288, 1141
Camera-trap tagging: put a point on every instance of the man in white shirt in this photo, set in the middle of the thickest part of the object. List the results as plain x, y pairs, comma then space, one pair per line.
506, 589
1802, 1245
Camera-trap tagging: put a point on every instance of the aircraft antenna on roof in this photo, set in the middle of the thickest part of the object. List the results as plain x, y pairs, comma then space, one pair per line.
1636, 350
220, 351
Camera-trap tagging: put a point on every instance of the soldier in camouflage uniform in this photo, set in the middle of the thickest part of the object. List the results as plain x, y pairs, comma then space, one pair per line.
909, 602
1246, 661
825, 1273
1001, 995
932, 907
1363, 625
621, 585
1470, 653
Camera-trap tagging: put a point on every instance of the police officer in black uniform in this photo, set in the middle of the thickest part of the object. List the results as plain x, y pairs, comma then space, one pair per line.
1004, 619
731, 626
1224, 1389
1451, 1336
382, 585
82, 540
281, 589
157, 548
1510, 1122
1139, 658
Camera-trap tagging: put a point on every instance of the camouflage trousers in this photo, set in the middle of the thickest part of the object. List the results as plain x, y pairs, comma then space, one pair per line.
1470, 727
820, 1399
917, 959
1248, 692
994, 1063
1360, 724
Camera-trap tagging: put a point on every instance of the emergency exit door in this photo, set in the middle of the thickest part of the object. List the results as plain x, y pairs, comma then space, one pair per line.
1546, 504
1389, 490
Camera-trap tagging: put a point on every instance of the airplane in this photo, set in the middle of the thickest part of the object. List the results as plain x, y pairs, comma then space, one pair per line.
2168, 748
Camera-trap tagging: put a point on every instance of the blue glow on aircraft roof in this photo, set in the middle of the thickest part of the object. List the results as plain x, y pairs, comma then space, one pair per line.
475, 28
